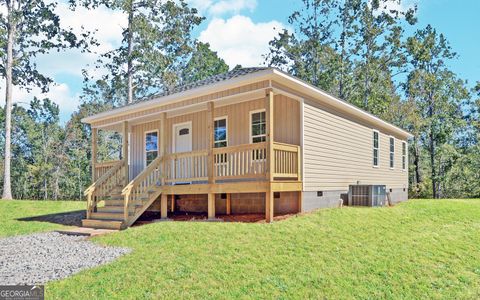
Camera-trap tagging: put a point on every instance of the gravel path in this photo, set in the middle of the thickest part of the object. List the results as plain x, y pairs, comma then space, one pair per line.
39, 258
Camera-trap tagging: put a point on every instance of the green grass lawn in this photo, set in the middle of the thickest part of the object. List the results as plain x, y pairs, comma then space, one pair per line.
415, 250
12, 211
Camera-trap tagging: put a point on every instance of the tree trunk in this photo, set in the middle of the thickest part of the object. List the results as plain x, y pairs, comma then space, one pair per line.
416, 162
433, 165
7, 187
129, 58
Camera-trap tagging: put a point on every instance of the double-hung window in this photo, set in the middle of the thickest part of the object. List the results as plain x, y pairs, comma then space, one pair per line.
220, 136
258, 126
392, 152
404, 156
220, 132
151, 146
258, 132
375, 148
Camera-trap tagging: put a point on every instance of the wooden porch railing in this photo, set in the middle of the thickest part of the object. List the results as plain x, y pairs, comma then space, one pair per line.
186, 167
287, 161
243, 161
102, 187
103, 167
138, 191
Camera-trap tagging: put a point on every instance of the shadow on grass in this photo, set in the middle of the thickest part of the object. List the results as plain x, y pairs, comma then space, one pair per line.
71, 218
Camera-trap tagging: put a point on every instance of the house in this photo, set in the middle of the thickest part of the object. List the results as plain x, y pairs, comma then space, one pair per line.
253, 140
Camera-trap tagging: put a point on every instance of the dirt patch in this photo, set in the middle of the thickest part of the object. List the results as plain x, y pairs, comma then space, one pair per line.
192, 217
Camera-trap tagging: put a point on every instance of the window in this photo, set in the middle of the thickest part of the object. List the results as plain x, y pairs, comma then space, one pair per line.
220, 132
258, 127
404, 156
151, 146
258, 132
392, 152
375, 148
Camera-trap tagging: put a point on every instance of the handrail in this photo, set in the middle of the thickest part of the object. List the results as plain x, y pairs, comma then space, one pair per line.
104, 177
89, 192
137, 181
107, 163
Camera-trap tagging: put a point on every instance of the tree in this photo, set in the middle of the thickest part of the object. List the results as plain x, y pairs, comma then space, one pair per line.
28, 29
156, 45
351, 48
438, 95
203, 63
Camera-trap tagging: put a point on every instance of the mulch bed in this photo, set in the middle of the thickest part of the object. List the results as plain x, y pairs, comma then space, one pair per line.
150, 217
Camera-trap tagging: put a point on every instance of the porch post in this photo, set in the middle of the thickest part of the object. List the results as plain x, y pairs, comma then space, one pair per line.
211, 162
229, 203
270, 154
94, 153
125, 150
211, 206
163, 205
163, 147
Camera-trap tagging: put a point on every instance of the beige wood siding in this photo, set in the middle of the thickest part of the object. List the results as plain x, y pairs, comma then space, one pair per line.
192, 101
287, 127
338, 152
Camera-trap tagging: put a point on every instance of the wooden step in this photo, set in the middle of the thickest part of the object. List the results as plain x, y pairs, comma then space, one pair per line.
112, 202
111, 208
117, 196
102, 224
107, 216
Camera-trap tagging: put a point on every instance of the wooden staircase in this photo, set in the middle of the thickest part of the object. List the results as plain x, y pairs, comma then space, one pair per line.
122, 205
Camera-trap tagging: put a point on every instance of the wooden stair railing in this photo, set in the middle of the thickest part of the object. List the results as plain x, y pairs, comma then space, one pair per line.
142, 191
104, 185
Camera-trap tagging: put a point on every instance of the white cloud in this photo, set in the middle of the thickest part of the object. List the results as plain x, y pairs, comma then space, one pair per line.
221, 7
58, 93
239, 40
107, 25
397, 5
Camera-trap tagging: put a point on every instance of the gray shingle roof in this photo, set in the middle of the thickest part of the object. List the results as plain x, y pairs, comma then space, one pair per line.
206, 81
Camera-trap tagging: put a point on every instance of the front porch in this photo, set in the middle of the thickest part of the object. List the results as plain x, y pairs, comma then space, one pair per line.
261, 166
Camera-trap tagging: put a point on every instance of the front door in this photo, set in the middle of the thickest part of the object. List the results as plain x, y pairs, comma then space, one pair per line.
182, 137
182, 142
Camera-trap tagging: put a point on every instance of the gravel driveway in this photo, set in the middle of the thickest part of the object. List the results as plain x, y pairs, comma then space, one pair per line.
39, 258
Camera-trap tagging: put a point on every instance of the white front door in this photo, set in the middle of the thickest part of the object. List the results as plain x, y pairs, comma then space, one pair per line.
182, 134
182, 142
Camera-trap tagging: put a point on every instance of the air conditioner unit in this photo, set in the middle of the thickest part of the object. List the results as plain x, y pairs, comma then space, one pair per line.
367, 195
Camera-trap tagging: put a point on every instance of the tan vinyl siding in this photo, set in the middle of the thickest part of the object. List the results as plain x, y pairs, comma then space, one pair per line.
339, 152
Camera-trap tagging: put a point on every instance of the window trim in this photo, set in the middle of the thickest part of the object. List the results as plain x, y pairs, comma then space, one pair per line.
390, 137
145, 145
404, 156
250, 124
226, 129
378, 148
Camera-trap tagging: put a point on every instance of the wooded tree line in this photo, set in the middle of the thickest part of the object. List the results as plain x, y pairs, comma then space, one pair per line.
362, 51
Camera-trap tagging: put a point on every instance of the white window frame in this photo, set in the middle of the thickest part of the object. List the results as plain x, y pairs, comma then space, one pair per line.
250, 124
390, 152
404, 156
373, 148
226, 129
145, 145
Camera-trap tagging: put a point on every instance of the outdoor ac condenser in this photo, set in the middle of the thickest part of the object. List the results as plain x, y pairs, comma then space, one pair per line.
367, 195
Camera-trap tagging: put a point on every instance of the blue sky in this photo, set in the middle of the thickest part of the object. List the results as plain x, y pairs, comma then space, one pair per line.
239, 31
